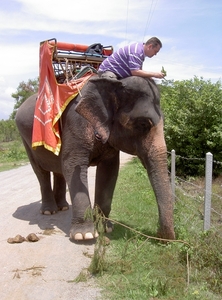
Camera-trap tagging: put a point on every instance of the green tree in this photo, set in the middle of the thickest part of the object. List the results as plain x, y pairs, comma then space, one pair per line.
193, 122
24, 90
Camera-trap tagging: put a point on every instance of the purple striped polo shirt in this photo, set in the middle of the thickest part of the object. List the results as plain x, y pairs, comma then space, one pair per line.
121, 62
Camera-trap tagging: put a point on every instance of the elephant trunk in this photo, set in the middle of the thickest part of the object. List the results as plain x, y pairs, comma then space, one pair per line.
155, 161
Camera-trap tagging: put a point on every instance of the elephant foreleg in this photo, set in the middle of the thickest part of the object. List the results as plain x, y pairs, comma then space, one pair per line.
106, 177
82, 228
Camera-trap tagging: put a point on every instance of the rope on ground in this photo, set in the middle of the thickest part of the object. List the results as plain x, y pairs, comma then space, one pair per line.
160, 239
148, 236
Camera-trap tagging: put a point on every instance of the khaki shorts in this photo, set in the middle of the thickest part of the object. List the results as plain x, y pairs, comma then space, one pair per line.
107, 74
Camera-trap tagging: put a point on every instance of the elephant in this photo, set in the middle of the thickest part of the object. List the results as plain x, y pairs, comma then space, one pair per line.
108, 116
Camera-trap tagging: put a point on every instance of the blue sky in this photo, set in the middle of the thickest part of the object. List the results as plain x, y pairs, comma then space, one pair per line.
189, 30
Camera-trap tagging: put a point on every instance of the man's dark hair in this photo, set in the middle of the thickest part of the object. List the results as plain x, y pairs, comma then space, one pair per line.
154, 41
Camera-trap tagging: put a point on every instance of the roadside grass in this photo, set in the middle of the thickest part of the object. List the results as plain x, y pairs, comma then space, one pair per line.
135, 266
12, 155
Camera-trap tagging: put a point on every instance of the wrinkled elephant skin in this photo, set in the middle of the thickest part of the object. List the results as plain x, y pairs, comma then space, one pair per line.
109, 116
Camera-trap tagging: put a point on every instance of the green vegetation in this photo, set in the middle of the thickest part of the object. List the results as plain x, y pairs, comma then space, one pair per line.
24, 91
8, 131
193, 127
164, 71
12, 151
12, 155
135, 266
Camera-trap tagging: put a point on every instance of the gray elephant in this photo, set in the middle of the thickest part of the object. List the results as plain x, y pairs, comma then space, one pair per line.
108, 117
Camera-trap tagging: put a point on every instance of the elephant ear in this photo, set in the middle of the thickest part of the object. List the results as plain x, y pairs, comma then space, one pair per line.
97, 105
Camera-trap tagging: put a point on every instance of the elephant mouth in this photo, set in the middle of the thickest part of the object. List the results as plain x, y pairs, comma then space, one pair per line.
98, 136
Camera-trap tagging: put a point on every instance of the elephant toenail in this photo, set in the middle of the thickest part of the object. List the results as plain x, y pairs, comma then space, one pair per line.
88, 236
64, 208
96, 234
78, 236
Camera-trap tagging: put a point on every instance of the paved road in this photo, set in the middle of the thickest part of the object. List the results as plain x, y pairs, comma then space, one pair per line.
45, 269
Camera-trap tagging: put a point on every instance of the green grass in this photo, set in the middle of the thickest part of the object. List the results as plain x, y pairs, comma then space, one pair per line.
12, 155
136, 267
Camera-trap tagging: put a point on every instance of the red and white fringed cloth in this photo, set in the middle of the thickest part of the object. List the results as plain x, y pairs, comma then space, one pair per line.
52, 100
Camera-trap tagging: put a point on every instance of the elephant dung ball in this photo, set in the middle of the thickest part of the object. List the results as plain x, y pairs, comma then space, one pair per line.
32, 237
17, 239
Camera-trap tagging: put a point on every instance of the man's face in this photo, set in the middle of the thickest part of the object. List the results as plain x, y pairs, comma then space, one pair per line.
150, 51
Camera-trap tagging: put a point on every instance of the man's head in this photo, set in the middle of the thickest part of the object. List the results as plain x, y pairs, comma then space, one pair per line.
152, 46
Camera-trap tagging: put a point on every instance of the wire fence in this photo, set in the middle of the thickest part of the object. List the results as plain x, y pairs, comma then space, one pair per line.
203, 196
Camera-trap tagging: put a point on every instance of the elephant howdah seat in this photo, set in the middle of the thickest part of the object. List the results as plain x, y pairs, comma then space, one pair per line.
68, 59
64, 69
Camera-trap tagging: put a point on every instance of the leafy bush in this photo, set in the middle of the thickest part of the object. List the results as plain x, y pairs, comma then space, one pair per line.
8, 131
193, 126
12, 152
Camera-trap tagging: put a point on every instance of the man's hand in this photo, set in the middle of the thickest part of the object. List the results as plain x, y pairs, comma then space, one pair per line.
159, 75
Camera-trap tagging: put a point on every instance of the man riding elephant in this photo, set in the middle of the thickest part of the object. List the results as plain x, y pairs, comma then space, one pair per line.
128, 60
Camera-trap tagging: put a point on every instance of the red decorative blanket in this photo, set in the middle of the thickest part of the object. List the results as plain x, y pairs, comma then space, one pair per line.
52, 100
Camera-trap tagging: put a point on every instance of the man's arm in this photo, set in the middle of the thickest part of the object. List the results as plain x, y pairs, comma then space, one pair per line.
143, 73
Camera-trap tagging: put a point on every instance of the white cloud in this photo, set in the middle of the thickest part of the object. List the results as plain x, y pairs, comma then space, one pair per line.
19, 62
79, 17
85, 10
18, 59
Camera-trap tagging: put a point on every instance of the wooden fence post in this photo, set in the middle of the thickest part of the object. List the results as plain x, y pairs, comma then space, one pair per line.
208, 189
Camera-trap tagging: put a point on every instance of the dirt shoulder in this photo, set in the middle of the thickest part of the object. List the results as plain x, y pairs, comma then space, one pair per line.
44, 269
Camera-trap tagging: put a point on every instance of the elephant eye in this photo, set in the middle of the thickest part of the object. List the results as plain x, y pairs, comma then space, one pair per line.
143, 125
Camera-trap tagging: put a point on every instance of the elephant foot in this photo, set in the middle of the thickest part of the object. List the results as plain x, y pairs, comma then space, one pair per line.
47, 212
63, 208
62, 205
166, 233
87, 236
48, 208
83, 231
